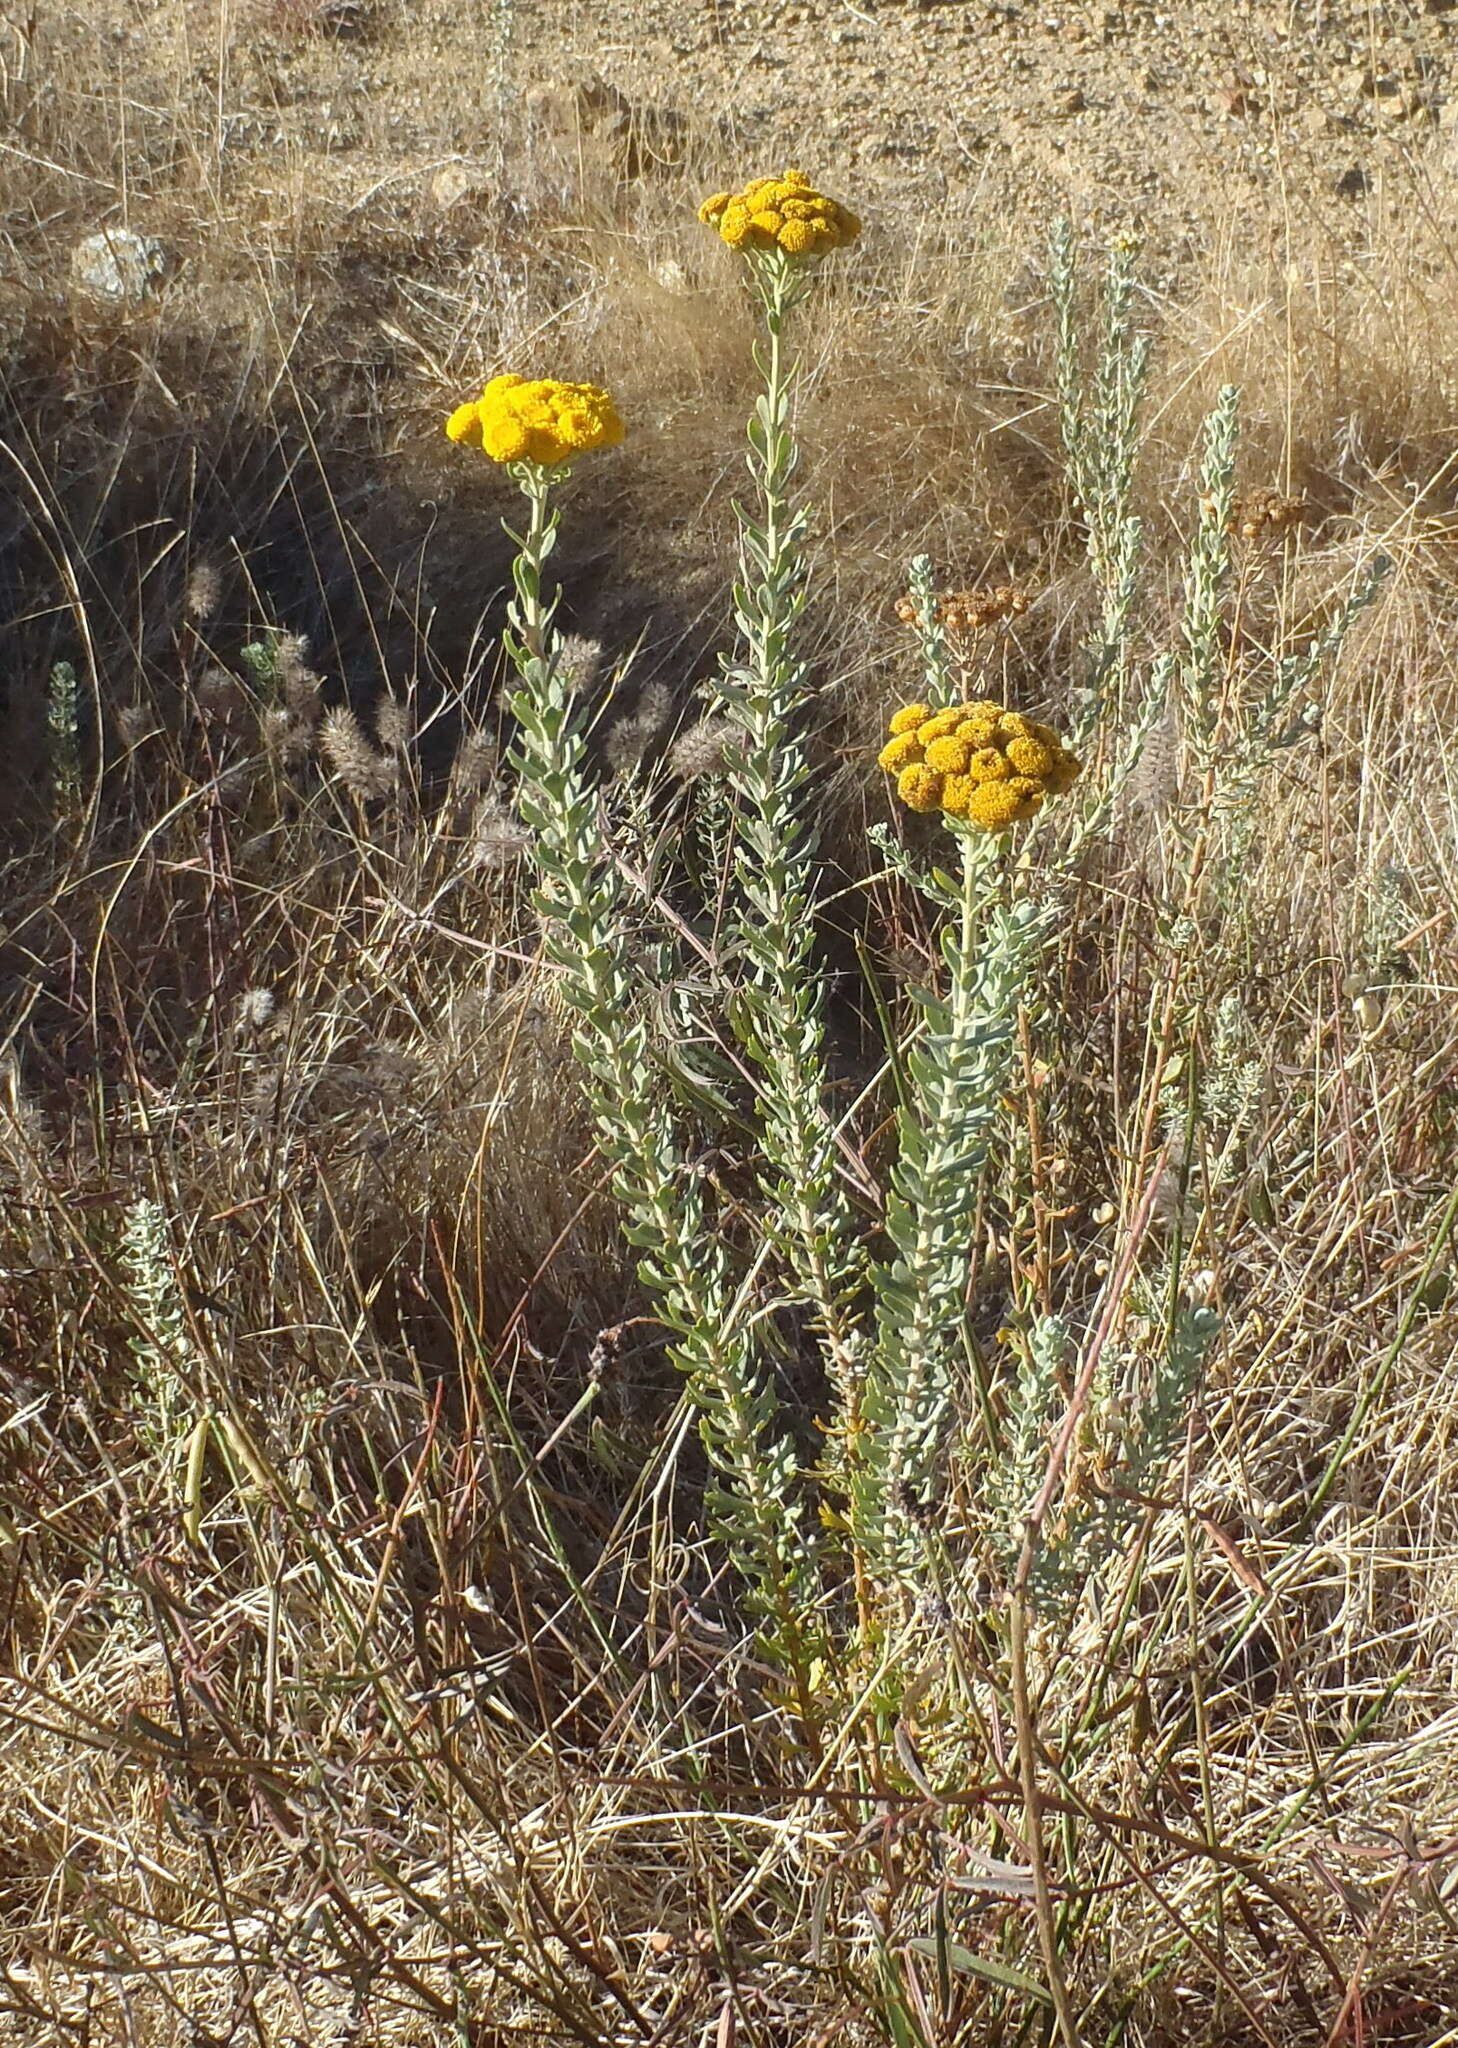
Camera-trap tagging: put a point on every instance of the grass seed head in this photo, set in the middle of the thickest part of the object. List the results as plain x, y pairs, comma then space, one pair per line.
204, 589
578, 661
631, 738
257, 1009
497, 838
352, 758
135, 723
475, 764
392, 725
708, 747
219, 696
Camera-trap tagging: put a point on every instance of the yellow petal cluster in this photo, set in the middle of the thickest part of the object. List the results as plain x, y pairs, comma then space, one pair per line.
538, 419
976, 761
781, 213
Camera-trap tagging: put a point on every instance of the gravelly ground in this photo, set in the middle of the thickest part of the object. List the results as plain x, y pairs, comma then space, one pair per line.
1130, 113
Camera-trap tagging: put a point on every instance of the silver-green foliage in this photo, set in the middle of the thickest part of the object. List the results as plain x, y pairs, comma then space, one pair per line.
63, 724
743, 1002
162, 1345
720, 1290
957, 1070
1098, 419
779, 1014
1137, 1424
683, 1251
930, 632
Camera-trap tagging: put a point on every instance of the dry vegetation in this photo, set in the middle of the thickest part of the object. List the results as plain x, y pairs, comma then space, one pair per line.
367, 1674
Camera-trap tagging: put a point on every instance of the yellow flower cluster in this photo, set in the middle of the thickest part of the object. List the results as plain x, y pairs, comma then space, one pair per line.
976, 761
517, 419
781, 213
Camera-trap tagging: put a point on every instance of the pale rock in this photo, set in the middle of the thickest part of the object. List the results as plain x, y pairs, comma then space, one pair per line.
119, 264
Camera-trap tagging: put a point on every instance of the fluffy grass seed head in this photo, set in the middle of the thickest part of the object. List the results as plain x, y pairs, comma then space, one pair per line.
976, 761
539, 419
784, 213
352, 758
708, 747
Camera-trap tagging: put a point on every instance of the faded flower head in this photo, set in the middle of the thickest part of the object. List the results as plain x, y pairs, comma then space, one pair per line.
1265, 514
976, 761
964, 612
540, 420
784, 213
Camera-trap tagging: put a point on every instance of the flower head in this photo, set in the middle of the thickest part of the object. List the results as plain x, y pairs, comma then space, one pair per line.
976, 761
965, 612
540, 419
781, 213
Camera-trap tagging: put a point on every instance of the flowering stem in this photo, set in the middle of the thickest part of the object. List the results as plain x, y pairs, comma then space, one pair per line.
782, 1017
957, 1073
783, 1029
683, 1258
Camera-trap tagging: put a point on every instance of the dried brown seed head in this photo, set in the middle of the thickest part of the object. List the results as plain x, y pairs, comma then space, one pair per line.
204, 588
352, 758
392, 725
474, 765
1264, 514
963, 612
708, 747
497, 838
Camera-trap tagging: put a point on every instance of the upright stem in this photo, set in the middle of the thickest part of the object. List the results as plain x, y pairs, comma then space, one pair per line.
682, 1257
957, 1069
533, 613
1026, 1731
783, 1028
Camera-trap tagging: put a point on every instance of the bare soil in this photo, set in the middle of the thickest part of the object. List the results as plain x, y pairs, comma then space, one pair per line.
1130, 114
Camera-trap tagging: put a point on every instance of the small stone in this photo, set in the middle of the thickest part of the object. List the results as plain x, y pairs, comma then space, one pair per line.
454, 184
1232, 103
119, 264
1353, 182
